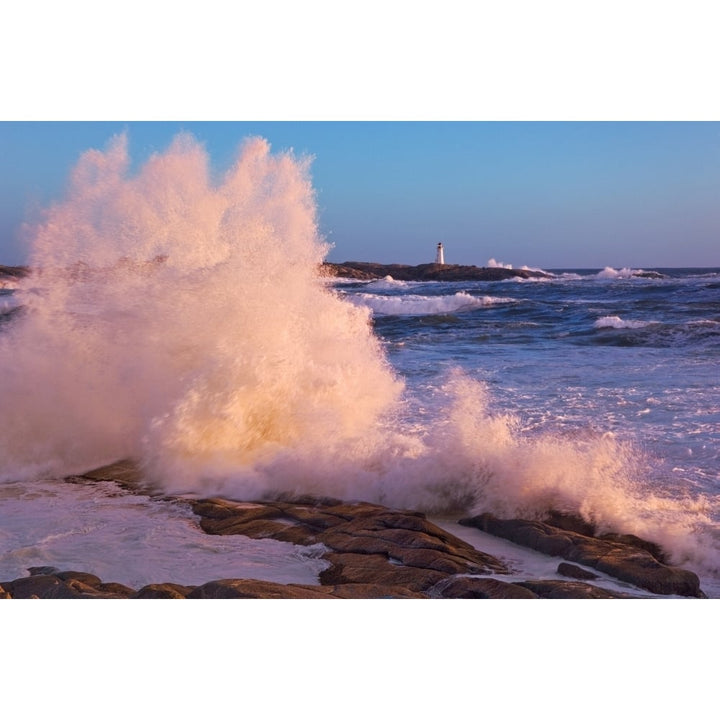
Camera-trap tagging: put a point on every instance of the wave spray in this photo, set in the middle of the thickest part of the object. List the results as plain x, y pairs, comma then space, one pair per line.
183, 322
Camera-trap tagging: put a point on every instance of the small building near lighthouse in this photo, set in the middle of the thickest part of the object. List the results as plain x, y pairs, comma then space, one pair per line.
440, 255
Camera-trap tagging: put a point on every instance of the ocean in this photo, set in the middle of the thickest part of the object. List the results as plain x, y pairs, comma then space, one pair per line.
183, 323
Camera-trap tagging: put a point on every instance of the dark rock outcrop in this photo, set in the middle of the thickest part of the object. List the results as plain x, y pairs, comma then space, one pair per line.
257, 589
573, 571
621, 560
17, 271
163, 591
429, 272
564, 590
47, 583
482, 588
368, 544
41, 587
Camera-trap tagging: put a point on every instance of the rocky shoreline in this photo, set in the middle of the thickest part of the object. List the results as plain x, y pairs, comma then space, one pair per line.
428, 272
377, 552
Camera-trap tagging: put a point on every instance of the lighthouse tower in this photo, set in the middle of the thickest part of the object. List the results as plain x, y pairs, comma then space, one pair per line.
440, 256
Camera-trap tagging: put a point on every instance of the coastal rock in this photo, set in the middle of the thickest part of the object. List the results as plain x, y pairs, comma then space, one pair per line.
369, 544
162, 591
41, 587
573, 571
565, 590
257, 589
373, 591
4, 594
482, 588
43, 570
429, 272
14, 271
68, 584
376, 552
83, 577
378, 570
573, 523
633, 540
116, 590
620, 560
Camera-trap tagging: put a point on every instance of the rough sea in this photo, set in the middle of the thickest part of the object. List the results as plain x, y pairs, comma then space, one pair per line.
182, 323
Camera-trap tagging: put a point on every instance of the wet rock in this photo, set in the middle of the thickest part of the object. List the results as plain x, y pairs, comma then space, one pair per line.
4, 595
43, 570
362, 591
256, 589
83, 577
634, 541
573, 523
573, 571
483, 589
565, 590
376, 570
42, 587
117, 590
624, 562
369, 544
125, 473
163, 591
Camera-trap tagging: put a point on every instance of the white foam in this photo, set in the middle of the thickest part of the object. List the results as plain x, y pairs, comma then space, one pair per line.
134, 540
387, 283
614, 321
612, 274
493, 263
424, 304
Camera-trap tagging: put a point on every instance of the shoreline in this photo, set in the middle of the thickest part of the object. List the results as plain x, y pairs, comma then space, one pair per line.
375, 552
427, 272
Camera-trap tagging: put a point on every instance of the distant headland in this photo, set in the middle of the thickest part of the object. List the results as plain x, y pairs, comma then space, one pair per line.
429, 271
373, 271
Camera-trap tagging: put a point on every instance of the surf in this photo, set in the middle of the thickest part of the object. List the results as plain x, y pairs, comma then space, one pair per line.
181, 320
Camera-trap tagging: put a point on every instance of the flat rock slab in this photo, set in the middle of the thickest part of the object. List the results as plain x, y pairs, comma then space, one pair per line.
618, 556
368, 544
566, 590
482, 589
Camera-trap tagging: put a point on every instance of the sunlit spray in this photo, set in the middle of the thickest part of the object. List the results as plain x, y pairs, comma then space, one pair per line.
183, 322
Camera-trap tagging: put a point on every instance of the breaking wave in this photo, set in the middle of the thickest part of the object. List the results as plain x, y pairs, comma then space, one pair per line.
182, 322
425, 305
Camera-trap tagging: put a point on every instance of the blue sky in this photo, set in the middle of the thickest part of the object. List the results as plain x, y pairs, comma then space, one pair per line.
544, 194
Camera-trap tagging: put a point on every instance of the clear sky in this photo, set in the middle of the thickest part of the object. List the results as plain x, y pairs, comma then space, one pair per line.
543, 194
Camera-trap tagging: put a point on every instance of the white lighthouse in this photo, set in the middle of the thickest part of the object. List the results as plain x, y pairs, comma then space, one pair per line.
440, 256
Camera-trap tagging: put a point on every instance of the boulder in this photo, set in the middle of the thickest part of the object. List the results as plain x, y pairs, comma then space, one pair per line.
565, 590
483, 589
373, 591
83, 577
43, 570
375, 569
620, 560
42, 587
573, 571
257, 589
116, 590
162, 591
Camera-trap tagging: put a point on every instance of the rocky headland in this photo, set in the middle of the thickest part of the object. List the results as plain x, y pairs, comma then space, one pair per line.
427, 272
373, 551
